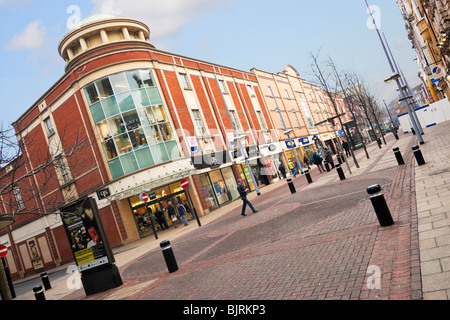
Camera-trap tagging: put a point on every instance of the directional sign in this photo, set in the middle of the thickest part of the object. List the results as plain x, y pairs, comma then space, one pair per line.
3, 251
143, 196
184, 183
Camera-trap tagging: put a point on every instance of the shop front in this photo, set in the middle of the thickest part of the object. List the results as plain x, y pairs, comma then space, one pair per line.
160, 199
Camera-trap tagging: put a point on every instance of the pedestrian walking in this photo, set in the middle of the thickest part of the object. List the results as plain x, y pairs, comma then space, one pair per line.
306, 161
182, 213
291, 167
317, 160
171, 212
282, 169
243, 193
346, 148
329, 157
161, 220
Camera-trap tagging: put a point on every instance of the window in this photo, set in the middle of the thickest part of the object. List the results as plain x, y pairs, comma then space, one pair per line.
296, 120
235, 121
222, 86
307, 114
49, 125
199, 122
132, 124
262, 123
61, 167
184, 81
286, 93
250, 90
18, 197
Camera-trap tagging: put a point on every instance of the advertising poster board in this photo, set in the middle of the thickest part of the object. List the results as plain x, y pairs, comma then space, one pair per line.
86, 236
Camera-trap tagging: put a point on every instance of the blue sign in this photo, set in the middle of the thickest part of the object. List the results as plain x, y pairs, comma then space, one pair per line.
290, 144
341, 133
304, 140
315, 138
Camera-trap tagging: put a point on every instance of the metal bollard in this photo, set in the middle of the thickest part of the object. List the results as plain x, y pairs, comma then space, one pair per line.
291, 185
39, 293
338, 157
308, 176
398, 155
380, 206
169, 256
327, 166
340, 172
342, 157
46, 281
418, 155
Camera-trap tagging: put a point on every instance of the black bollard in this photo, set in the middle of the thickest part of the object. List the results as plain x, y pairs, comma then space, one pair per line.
327, 167
291, 185
39, 293
340, 172
338, 157
413, 131
308, 176
169, 256
418, 155
342, 157
380, 206
396, 136
398, 155
46, 281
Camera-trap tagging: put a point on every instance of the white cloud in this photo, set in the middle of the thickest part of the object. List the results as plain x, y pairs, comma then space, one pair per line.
32, 38
163, 17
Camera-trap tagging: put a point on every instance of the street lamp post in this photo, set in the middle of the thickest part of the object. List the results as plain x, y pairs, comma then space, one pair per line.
286, 131
396, 77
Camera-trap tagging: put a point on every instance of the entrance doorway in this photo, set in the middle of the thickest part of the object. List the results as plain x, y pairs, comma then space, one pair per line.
145, 213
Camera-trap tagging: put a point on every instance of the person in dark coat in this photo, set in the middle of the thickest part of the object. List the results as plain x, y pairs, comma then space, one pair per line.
317, 160
329, 157
282, 169
346, 148
171, 212
161, 220
243, 193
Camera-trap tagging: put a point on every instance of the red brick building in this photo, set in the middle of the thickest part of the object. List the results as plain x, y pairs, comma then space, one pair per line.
127, 118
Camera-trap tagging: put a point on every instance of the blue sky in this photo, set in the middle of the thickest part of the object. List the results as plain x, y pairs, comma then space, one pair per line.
243, 34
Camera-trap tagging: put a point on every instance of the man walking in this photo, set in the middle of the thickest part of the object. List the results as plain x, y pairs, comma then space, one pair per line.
243, 192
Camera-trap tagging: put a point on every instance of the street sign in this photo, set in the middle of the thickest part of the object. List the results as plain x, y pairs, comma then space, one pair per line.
143, 196
341, 133
184, 183
3, 251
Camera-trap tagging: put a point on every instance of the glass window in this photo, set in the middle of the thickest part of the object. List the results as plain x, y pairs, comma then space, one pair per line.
140, 98
18, 197
97, 112
165, 131
110, 107
233, 116
119, 83
147, 78
144, 157
222, 86
104, 88
199, 122
125, 102
207, 191
123, 143
262, 123
250, 90
159, 113
61, 166
49, 125
134, 79
129, 163
173, 150
103, 129
116, 125
131, 119
116, 168
307, 114
154, 96
184, 81
91, 94
153, 134
137, 138
146, 116
110, 148
159, 153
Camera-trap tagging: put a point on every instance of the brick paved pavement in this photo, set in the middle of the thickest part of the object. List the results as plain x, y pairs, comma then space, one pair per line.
323, 242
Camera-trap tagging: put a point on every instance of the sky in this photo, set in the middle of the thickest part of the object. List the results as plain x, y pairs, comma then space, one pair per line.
241, 34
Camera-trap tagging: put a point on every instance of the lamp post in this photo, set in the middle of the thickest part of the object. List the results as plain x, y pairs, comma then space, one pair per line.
286, 131
396, 77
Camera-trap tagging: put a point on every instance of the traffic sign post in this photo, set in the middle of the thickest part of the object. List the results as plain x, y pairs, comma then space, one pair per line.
3, 251
144, 197
184, 183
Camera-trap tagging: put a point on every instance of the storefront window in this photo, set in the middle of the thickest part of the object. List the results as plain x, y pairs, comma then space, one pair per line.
129, 115
208, 192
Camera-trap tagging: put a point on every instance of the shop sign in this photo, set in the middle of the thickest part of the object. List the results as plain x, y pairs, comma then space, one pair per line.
290, 144
213, 160
304, 141
193, 145
103, 194
86, 235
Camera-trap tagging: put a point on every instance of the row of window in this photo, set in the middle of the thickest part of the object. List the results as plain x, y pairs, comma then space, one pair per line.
133, 126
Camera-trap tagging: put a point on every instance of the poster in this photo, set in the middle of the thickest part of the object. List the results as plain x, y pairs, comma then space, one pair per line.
85, 235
